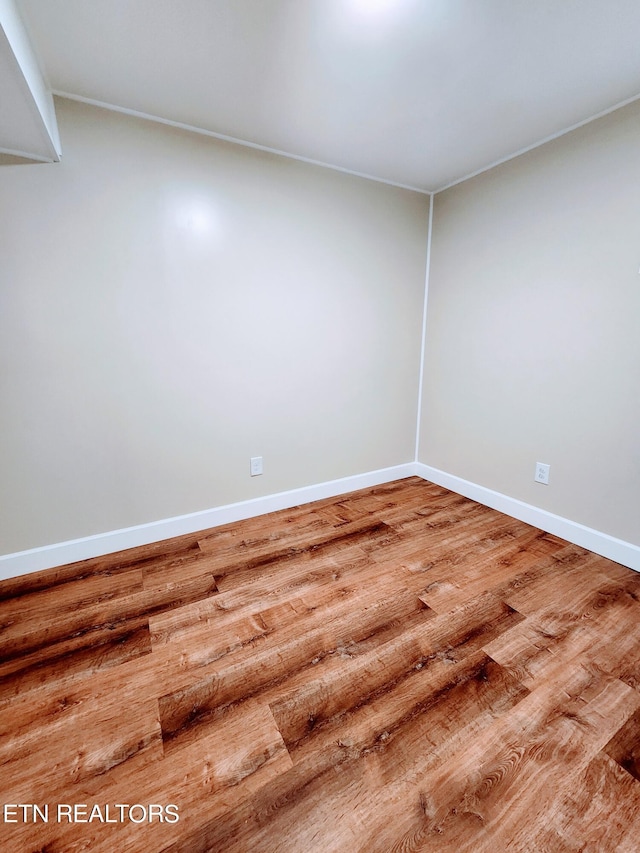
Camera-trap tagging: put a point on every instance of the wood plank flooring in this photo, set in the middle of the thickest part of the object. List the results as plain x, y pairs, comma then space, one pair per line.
396, 670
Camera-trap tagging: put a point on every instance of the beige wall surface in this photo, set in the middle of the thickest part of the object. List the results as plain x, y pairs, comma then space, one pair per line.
171, 305
533, 331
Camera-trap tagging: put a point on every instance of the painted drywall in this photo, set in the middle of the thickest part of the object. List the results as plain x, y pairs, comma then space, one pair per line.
533, 328
172, 305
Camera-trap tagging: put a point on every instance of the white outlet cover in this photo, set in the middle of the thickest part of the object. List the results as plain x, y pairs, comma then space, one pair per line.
542, 473
256, 466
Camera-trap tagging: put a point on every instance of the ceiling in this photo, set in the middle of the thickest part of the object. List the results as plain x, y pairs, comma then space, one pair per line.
416, 92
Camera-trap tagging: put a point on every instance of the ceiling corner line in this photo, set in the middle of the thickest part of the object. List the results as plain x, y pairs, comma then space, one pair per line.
232, 140
620, 105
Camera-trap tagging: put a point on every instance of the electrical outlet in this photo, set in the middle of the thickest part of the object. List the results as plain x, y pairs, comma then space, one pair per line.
256, 466
542, 473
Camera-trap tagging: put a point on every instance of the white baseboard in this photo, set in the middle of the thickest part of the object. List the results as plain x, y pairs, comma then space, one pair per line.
35, 559
601, 543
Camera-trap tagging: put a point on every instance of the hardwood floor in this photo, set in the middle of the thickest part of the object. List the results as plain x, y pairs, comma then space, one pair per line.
400, 669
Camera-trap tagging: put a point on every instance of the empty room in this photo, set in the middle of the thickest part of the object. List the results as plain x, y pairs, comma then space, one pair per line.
319, 426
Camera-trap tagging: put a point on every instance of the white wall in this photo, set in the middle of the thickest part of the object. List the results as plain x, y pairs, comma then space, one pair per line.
533, 333
171, 305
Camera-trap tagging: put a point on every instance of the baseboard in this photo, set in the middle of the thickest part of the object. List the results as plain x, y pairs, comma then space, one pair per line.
49, 556
600, 543
36, 559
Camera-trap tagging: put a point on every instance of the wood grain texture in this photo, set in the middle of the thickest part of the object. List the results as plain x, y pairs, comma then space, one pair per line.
398, 669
